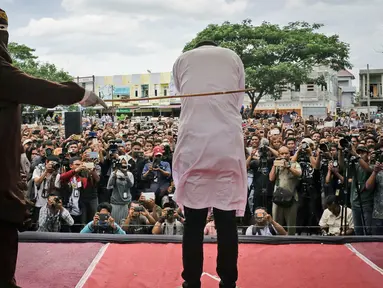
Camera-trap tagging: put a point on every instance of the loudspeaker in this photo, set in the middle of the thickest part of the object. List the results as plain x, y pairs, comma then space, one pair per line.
73, 124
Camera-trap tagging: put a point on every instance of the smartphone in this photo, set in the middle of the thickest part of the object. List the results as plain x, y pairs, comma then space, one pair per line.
279, 163
93, 155
275, 132
250, 129
89, 165
76, 137
149, 195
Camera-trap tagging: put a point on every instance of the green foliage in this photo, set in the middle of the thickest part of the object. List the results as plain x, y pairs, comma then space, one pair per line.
24, 59
275, 56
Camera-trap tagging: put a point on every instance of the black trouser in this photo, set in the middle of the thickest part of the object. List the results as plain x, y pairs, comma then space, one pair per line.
8, 254
192, 246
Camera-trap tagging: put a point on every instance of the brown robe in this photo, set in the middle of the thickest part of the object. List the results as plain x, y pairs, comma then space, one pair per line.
15, 88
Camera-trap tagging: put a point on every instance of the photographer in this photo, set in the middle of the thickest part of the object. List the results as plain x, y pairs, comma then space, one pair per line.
264, 225
330, 221
121, 181
309, 195
52, 214
44, 178
103, 223
138, 220
157, 174
260, 162
136, 166
169, 223
285, 197
363, 200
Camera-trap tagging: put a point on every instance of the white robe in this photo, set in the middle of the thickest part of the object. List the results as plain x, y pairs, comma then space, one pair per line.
209, 165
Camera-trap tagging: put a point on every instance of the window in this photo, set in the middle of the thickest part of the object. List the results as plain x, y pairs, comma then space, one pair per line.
155, 92
165, 92
297, 87
310, 87
136, 93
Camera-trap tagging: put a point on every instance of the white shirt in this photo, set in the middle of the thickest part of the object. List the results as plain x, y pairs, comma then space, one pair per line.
42, 190
209, 165
329, 220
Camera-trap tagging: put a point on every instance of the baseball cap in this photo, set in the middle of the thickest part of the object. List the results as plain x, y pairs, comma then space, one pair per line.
27, 142
157, 151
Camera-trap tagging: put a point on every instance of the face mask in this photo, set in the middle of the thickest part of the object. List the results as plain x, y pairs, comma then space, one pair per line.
124, 167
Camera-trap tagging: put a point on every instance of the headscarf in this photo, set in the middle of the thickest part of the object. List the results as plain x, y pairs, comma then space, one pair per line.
4, 37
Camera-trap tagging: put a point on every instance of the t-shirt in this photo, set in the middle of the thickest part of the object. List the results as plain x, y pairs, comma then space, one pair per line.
377, 212
287, 180
367, 196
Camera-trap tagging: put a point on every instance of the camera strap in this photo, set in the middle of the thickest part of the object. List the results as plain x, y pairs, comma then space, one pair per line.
174, 228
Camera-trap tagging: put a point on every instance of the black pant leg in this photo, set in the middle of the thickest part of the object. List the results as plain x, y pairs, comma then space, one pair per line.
8, 254
227, 236
192, 246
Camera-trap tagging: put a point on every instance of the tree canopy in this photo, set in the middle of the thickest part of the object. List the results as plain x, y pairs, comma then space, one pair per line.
24, 59
275, 56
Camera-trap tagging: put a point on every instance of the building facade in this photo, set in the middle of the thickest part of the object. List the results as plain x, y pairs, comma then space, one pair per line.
306, 99
375, 91
346, 90
136, 87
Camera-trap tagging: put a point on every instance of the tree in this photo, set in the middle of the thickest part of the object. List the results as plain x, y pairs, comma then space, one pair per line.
276, 57
24, 59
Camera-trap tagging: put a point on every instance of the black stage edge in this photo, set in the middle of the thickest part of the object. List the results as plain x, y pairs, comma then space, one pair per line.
39, 237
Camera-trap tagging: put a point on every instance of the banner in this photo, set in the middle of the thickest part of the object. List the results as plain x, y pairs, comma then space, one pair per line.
121, 90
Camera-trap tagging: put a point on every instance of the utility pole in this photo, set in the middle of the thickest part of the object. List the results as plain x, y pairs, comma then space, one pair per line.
368, 91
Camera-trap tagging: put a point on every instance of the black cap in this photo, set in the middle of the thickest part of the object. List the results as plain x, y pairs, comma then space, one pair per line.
3, 17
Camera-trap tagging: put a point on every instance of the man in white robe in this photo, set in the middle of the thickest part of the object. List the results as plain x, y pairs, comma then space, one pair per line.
209, 166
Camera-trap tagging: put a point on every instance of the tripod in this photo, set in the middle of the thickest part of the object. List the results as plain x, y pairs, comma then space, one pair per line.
350, 163
263, 169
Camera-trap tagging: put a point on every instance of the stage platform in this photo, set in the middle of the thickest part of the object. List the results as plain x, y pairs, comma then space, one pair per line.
59, 260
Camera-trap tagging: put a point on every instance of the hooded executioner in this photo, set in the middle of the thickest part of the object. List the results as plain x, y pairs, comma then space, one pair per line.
18, 88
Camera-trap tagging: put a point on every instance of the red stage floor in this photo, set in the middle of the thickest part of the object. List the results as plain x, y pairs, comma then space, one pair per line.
160, 265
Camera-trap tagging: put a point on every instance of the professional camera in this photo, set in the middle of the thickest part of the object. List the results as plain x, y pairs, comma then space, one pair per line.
56, 202
170, 213
156, 163
345, 142
305, 146
113, 146
263, 150
377, 156
55, 165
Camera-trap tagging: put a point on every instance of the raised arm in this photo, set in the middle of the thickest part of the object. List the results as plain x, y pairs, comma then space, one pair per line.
36, 91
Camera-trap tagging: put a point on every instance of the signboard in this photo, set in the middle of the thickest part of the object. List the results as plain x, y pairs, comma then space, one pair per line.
123, 110
121, 90
85, 79
105, 92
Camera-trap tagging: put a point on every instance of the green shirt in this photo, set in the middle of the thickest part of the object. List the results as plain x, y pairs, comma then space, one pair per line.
367, 196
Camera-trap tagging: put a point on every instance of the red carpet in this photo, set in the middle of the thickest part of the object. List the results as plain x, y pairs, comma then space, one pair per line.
160, 265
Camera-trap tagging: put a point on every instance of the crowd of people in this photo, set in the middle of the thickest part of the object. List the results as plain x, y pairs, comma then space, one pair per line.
305, 176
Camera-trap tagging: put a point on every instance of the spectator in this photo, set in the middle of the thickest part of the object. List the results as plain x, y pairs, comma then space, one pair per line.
52, 215
157, 173
121, 181
286, 176
264, 225
330, 222
169, 223
138, 220
103, 222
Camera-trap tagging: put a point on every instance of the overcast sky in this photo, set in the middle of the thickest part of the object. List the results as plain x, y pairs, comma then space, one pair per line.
111, 37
